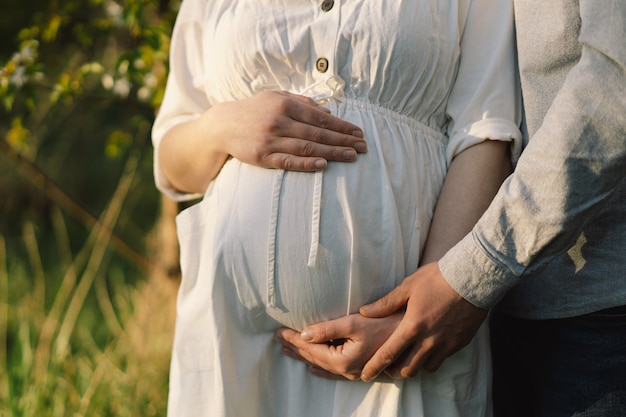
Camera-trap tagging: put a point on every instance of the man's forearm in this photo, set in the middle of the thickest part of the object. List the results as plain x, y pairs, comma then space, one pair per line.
573, 164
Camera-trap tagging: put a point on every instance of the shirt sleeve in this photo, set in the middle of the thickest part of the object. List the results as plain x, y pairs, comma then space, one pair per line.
574, 163
185, 98
485, 101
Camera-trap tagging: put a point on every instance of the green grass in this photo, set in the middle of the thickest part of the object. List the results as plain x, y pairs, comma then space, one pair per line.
80, 333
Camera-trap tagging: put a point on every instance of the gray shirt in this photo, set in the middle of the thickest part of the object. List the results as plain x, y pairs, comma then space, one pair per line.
553, 242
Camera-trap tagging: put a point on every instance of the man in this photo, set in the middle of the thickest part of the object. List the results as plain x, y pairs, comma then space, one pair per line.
550, 251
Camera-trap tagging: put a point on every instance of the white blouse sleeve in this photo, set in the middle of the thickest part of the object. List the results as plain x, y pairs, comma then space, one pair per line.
185, 98
485, 101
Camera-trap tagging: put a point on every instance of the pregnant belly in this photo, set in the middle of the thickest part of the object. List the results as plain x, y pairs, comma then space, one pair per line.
293, 248
304, 247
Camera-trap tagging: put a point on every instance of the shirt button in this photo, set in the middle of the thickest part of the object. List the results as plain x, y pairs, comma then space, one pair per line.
321, 65
327, 5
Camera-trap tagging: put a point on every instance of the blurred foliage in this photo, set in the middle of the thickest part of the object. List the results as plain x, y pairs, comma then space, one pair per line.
101, 347
80, 82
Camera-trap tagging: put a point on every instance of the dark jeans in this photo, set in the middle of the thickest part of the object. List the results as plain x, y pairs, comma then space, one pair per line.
560, 368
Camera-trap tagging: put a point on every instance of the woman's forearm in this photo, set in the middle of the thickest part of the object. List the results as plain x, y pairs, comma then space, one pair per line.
190, 157
270, 130
474, 177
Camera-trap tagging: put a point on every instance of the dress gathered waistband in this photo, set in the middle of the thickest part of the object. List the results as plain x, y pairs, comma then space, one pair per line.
330, 92
393, 115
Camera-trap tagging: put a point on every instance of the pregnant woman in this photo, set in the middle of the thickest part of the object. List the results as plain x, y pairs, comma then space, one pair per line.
320, 134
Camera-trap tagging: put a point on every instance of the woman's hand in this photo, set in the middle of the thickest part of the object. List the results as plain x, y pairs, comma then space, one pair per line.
338, 348
271, 130
284, 130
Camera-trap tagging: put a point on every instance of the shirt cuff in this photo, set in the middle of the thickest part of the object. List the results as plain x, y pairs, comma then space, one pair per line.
475, 275
487, 129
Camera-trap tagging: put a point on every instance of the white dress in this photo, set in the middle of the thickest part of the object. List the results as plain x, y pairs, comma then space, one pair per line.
269, 248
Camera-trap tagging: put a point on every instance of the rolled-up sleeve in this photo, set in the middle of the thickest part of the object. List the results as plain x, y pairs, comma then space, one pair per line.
185, 98
573, 164
485, 101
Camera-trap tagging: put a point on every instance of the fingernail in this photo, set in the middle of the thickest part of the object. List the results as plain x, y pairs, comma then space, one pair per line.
357, 133
320, 164
361, 147
365, 378
307, 335
349, 154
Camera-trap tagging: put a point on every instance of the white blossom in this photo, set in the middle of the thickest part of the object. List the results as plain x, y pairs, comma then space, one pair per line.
27, 54
144, 93
150, 80
122, 87
19, 77
113, 10
107, 81
92, 68
123, 67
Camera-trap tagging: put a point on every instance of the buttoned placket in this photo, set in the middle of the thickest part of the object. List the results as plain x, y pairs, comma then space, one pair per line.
324, 33
327, 84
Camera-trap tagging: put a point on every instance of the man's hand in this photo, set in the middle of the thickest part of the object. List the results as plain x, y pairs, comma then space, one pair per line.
338, 348
437, 323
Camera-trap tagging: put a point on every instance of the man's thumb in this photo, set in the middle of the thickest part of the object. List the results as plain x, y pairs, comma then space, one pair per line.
386, 305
